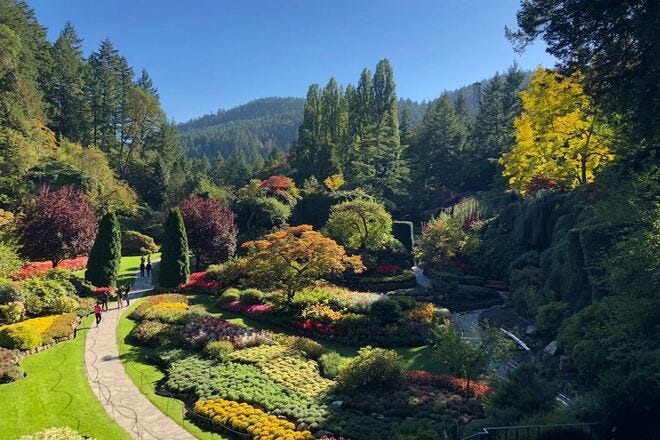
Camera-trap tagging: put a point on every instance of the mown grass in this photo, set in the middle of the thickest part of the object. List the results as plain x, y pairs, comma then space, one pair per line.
127, 269
55, 393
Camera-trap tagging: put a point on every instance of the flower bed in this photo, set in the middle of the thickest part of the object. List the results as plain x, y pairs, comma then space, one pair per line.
201, 282
252, 310
170, 308
248, 419
38, 268
33, 333
452, 383
9, 370
204, 330
286, 366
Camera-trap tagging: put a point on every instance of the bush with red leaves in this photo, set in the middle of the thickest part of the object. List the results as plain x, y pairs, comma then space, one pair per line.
452, 383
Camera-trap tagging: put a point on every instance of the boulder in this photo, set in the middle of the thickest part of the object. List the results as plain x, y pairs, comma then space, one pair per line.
531, 330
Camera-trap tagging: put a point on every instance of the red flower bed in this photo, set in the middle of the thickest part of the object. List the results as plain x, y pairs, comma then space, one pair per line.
311, 325
38, 268
388, 269
452, 383
102, 290
200, 282
252, 310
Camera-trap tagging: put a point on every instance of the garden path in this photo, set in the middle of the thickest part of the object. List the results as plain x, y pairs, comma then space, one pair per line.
112, 386
422, 279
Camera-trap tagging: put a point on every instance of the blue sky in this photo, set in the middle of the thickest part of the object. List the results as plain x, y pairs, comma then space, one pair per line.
210, 54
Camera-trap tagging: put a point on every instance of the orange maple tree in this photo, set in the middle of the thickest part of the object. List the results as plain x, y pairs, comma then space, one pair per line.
295, 257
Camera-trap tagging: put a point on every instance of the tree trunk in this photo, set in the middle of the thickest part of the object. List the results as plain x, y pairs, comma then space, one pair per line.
467, 389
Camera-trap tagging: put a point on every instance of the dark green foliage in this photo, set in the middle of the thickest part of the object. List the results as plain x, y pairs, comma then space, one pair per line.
105, 256
314, 209
386, 311
549, 317
135, 243
372, 367
524, 393
331, 364
403, 231
175, 258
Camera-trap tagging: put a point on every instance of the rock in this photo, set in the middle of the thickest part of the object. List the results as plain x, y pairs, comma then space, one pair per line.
531, 330
337, 403
551, 348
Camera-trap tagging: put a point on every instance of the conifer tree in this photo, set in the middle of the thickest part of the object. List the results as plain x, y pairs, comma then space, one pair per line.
105, 256
175, 258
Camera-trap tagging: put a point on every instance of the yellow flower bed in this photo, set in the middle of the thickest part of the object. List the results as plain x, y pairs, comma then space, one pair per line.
171, 306
250, 420
40, 325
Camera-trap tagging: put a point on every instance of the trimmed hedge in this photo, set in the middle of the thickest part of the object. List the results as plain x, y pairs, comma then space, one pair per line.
136, 243
403, 231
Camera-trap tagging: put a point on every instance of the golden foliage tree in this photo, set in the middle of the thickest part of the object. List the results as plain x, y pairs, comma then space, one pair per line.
292, 258
560, 136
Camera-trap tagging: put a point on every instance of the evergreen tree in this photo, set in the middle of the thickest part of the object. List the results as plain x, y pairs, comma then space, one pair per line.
236, 171
175, 258
104, 95
145, 83
305, 150
70, 109
105, 256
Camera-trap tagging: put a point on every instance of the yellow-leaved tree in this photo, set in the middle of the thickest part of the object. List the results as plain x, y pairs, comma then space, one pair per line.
560, 137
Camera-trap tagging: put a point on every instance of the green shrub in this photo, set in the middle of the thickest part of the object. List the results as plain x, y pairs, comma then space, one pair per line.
385, 311
405, 302
34, 306
11, 313
9, 292
229, 295
81, 287
136, 243
20, 337
352, 321
549, 317
230, 273
403, 231
103, 262
48, 296
175, 256
252, 296
372, 367
148, 333
309, 346
472, 293
219, 350
331, 364
61, 328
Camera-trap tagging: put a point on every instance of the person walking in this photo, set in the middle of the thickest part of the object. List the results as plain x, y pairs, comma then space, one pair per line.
105, 297
98, 310
149, 269
142, 267
127, 289
120, 303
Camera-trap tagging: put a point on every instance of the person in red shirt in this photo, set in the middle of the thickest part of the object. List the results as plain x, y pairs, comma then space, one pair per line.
97, 311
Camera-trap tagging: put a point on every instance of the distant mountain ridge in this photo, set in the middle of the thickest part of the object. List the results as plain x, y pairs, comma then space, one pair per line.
266, 123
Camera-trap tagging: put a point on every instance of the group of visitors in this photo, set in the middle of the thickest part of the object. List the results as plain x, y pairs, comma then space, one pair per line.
102, 303
145, 267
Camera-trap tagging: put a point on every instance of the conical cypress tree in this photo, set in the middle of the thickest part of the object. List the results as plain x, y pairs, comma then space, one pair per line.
174, 258
104, 259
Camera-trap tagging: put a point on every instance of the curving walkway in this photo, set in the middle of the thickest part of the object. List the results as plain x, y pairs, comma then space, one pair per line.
112, 386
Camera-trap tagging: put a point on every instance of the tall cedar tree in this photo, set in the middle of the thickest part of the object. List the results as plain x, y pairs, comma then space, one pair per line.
56, 225
175, 258
104, 259
211, 229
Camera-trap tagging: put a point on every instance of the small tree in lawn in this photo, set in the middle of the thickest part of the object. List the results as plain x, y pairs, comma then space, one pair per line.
104, 259
467, 358
295, 257
57, 225
174, 258
210, 228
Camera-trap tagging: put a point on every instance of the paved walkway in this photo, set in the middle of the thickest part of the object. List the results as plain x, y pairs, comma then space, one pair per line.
112, 386
422, 279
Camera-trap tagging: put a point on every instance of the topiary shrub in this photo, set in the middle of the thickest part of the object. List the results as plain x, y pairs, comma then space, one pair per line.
136, 243
103, 262
372, 367
175, 256
252, 296
20, 337
403, 231
219, 350
310, 347
229, 295
385, 311
331, 364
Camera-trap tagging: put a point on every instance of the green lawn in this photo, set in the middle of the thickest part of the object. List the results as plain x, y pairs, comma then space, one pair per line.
127, 269
55, 393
